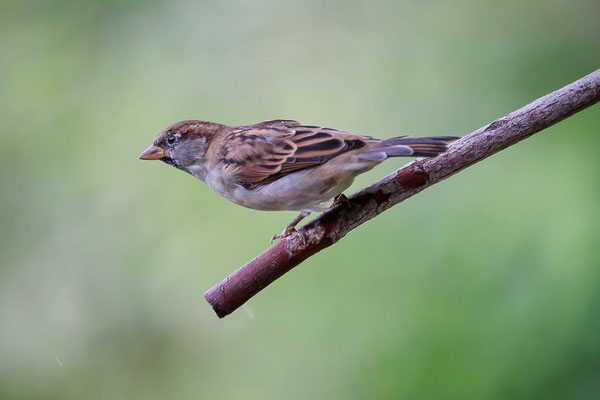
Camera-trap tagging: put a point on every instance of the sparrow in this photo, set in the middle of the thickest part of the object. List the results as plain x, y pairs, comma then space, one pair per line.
280, 164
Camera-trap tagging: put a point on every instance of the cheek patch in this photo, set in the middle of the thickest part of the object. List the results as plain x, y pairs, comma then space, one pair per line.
192, 151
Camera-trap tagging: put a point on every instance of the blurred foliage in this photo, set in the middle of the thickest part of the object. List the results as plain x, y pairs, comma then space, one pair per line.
484, 286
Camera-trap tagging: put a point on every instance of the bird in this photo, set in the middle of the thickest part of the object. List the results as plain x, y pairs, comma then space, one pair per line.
280, 164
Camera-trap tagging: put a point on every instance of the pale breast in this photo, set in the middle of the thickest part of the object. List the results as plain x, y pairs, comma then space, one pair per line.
299, 191
303, 190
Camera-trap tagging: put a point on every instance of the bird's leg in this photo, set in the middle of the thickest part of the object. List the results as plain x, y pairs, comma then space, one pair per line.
291, 227
340, 199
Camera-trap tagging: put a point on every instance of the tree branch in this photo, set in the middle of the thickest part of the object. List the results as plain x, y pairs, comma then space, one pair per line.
334, 224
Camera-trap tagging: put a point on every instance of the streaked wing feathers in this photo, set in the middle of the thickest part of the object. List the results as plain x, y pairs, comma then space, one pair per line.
265, 151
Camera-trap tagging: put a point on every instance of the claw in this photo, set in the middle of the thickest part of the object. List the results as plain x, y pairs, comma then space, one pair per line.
286, 232
341, 199
291, 227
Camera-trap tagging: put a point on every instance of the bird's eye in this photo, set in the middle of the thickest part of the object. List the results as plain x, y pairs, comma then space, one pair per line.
171, 139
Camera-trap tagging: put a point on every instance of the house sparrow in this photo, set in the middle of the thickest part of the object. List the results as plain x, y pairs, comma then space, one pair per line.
279, 164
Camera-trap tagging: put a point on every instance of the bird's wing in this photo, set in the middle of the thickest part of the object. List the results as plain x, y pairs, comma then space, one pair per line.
265, 151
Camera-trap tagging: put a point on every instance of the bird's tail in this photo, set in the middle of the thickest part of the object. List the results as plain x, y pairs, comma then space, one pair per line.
408, 147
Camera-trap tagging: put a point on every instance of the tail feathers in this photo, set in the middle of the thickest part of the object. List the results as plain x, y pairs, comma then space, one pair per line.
407, 147
419, 140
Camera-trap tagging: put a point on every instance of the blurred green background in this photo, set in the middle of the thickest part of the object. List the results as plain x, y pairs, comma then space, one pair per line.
484, 286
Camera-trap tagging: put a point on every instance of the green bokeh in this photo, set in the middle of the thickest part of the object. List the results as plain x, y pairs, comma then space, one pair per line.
484, 286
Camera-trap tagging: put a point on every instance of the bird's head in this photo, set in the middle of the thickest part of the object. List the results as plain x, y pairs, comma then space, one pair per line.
183, 144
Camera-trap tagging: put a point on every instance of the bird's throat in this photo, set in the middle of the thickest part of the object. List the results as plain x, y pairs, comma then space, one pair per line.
170, 161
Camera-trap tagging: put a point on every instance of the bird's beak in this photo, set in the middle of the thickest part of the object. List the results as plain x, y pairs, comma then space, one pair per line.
152, 153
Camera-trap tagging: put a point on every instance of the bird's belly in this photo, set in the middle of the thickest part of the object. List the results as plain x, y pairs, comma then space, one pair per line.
304, 190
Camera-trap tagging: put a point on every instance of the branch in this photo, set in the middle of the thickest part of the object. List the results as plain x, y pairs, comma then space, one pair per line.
334, 224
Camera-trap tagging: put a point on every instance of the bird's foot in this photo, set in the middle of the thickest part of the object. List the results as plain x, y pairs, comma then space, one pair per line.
286, 232
291, 227
341, 199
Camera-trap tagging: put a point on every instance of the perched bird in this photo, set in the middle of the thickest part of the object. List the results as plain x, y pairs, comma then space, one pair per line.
279, 164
